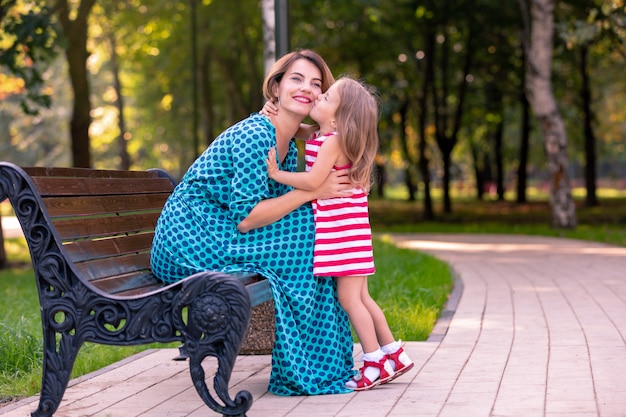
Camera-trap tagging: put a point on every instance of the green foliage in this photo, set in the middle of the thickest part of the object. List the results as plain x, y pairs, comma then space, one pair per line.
382, 41
27, 44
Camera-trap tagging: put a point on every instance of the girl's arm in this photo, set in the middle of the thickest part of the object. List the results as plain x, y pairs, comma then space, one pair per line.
273, 209
327, 156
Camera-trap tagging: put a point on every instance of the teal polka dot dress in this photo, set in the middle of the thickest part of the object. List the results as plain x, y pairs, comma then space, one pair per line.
197, 232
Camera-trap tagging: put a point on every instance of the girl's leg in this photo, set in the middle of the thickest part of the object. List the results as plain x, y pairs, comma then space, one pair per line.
349, 290
377, 368
400, 362
383, 332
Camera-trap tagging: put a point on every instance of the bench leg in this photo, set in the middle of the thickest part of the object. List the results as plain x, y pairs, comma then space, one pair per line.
218, 314
56, 372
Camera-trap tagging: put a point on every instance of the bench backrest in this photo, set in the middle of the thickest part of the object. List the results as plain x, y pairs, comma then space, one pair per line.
105, 220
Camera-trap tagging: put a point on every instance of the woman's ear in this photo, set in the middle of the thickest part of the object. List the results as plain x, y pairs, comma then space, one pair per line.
276, 93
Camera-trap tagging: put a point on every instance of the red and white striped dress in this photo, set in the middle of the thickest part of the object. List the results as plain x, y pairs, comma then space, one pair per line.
343, 236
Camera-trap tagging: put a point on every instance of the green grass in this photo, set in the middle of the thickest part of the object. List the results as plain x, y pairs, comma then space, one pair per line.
21, 346
411, 287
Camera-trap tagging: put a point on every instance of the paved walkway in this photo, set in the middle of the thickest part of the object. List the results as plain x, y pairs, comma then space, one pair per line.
536, 327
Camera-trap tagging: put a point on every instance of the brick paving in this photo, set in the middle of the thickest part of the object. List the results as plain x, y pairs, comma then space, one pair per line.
535, 327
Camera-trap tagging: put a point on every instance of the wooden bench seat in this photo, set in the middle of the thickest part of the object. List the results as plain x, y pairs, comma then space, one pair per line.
89, 233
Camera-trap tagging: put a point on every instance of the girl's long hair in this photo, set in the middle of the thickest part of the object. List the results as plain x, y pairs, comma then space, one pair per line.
357, 125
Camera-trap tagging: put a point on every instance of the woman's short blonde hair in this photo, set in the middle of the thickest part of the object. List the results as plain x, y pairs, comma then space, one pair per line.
280, 67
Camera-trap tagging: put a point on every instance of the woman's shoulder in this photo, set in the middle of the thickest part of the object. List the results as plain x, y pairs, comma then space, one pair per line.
255, 123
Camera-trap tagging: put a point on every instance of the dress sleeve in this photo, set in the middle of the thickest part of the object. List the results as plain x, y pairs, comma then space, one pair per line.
250, 146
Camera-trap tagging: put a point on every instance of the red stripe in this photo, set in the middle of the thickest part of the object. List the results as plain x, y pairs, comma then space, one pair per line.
331, 240
342, 251
342, 228
357, 216
350, 273
340, 204
339, 263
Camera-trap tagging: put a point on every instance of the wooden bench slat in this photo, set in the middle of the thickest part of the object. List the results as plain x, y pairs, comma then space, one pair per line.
96, 227
61, 186
86, 173
87, 250
129, 284
109, 267
72, 206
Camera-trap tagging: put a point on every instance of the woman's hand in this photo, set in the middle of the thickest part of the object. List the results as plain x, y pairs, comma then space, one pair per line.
335, 186
269, 109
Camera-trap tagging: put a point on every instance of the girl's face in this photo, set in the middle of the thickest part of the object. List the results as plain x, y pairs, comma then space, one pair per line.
299, 87
325, 107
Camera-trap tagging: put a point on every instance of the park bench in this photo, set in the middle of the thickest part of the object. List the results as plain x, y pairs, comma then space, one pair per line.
89, 233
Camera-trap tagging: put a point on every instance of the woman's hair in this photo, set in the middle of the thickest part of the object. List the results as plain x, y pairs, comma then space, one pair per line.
280, 67
357, 126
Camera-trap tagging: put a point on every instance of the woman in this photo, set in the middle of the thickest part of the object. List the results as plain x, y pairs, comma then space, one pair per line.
226, 215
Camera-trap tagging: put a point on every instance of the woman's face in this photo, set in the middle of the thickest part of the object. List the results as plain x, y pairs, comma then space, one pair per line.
299, 87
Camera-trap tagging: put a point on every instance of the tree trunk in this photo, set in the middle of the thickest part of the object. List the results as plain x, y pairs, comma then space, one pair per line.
479, 172
447, 161
207, 116
75, 32
423, 161
119, 103
499, 158
522, 177
591, 199
3, 254
495, 133
541, 98
409, 181
448, 114
269, 33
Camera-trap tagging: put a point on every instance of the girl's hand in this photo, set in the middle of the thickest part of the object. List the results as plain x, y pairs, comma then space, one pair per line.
272, 166
269, 109
335, 186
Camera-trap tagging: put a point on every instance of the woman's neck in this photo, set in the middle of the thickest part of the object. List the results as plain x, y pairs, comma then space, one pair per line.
286, 128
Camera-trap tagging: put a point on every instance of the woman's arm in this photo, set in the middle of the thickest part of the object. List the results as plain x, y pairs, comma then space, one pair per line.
270, 210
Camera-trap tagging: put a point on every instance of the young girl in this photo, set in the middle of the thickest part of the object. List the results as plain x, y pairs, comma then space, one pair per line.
347, 115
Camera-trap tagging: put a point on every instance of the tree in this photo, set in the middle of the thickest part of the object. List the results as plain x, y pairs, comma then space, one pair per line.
28, 43
27, 39
538, 38
449, 88
75, 30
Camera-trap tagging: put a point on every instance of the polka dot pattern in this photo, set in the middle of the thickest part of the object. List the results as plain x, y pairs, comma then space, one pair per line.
197, 232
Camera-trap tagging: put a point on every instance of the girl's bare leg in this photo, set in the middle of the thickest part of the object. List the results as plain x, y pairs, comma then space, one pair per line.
349, 290
383, 332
